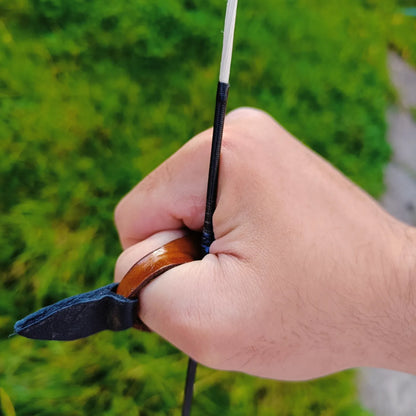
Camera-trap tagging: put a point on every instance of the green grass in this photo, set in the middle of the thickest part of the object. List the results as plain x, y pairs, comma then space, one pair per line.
93, 95
129, 374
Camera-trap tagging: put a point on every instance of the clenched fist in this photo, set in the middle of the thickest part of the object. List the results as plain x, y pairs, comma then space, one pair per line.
307, 275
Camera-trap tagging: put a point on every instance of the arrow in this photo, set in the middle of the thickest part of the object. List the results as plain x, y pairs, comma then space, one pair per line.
220, 108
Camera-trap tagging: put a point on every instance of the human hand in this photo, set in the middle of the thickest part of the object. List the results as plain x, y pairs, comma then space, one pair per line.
307, 275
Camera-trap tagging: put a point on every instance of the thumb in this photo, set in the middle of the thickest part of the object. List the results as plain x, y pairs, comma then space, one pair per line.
182, 305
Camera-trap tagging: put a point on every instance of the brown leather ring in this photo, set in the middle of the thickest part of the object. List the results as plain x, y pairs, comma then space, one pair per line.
177, 252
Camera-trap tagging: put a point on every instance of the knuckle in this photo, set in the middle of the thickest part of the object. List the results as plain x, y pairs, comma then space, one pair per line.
118, 214
200, 144
249, 114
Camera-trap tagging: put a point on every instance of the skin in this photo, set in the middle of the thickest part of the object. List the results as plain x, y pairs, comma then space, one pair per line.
308, 275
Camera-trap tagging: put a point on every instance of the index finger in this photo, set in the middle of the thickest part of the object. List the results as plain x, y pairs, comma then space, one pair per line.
171, 197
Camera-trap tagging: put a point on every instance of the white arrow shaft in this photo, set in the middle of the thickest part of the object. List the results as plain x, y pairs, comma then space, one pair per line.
227, 47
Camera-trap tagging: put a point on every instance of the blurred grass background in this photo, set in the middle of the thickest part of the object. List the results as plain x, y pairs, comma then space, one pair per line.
94, 95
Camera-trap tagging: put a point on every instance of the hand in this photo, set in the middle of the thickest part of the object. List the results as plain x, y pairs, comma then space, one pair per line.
307, 275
